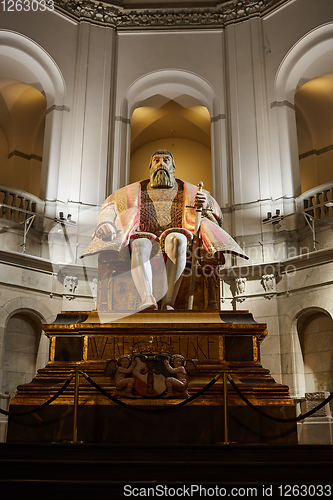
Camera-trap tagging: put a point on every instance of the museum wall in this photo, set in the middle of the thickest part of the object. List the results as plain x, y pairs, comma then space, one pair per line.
246, 75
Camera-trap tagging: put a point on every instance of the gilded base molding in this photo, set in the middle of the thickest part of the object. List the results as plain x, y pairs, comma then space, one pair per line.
219, 341
228, 340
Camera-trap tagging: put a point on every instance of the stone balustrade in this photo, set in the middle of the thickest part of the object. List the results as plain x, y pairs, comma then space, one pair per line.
316, 201
17, 205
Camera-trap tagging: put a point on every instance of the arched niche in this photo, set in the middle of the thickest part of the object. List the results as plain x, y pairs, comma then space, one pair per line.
314, 119
168, 82
310, 57
179, 124
315, 333
292, 361
22, 125
24, 60
25, 349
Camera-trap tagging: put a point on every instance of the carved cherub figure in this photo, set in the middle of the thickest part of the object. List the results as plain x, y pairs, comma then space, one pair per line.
124, 382
177, 385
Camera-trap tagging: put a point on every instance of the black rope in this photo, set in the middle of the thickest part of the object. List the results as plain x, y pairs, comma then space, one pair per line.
277, 419
173, 407
27, 412
137, 408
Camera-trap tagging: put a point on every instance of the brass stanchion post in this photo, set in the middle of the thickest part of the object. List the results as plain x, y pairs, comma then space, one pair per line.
76, 405
225, 407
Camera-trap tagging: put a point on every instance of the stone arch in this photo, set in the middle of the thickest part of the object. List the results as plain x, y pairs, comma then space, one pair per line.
168, 80
39, 313
21, 346
37, 62
308, 58
315, 333
291, 350
25, 303
34, 63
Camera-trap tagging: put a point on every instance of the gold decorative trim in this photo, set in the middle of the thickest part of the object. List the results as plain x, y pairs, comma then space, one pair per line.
52, 348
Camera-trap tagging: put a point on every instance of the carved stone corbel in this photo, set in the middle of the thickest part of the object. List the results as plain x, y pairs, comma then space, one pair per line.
240, 289
93, 288
268, 283
70, 284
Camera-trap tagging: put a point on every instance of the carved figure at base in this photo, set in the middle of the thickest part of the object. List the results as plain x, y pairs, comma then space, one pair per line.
124, 382
177, 385
160, 213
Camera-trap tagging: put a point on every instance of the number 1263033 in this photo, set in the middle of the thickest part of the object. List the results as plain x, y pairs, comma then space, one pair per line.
26, 5
305, 490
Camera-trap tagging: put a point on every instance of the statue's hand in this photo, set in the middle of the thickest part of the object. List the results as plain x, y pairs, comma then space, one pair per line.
106, 232
200, 199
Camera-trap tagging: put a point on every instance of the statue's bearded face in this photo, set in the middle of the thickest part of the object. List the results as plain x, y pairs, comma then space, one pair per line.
162, 171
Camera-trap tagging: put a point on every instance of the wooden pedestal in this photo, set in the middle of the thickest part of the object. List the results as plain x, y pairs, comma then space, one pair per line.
218, 340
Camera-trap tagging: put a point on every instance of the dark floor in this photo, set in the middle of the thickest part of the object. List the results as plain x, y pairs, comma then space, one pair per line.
194, 471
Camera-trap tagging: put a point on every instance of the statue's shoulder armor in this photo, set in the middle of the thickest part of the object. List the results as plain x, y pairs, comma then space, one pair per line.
122, 193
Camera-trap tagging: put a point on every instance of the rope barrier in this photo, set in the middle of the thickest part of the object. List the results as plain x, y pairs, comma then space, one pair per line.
277, 419
48, 402
170, 408
136, 408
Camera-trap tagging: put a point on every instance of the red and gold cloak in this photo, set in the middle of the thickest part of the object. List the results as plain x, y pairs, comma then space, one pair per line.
122, 210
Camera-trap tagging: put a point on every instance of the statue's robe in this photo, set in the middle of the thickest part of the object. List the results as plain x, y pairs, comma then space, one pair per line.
122, 210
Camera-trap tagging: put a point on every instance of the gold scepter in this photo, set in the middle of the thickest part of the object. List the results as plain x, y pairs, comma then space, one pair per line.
194, 250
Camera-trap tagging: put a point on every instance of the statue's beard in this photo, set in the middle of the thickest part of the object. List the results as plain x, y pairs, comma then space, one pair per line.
162, 178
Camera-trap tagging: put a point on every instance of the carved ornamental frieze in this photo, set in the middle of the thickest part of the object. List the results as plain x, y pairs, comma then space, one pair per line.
115, 15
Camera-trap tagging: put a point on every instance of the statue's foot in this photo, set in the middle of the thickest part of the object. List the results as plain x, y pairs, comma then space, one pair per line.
167, 307
124, 394
148, 302
169, 395
181, 395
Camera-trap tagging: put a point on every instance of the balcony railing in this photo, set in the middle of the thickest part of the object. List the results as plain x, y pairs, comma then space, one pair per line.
317, 202
18, 206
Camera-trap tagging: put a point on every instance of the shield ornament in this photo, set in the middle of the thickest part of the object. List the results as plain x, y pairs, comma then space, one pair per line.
150, 374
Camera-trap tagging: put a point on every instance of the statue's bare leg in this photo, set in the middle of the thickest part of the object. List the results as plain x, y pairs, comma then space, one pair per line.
124, 387
175, 248
175, 386
141, 271
130, 385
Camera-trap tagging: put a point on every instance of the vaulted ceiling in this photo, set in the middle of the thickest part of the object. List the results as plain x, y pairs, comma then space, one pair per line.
162, 117
314, 112
22, 115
